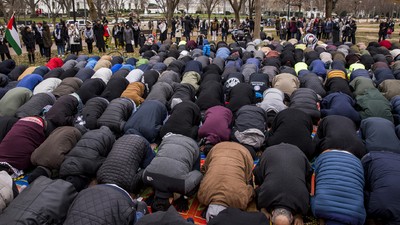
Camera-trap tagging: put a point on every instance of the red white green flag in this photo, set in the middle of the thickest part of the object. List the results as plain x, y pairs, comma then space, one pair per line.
12, 36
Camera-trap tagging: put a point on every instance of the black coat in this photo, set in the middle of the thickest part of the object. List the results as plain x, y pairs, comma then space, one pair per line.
311, 80
88, 154
294, 127
35, 105
338, 132
29, 40
210, 94
282, 174
241, 94
98, 30
306, 100
125, 163
116, 114
235, 216
6, 123
115, 86
182, 92
338, 84
102, 205
92, 111
184, 119
54, 73
62, 113
91, 88
16, 72
45, 201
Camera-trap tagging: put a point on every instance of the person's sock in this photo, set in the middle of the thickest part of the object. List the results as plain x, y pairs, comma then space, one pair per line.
39, 171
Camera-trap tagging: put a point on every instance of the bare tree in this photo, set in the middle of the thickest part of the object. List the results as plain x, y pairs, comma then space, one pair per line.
186, 4
168, 8
236, 6
53, 8
92, 10
32, 6
66, 5
139, 4
116, 6
210, 6
251, 7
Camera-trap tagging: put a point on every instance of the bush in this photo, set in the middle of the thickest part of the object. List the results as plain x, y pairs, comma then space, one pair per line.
227, 13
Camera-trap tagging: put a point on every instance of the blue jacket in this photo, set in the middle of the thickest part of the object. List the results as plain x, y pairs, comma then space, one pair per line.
382, 74
359, 73
340, 104
318, 67
115, 68
85, 73
395, 101
339, 196
382, 198
147, 120
223, 53
91, 64
30, 81
379, 134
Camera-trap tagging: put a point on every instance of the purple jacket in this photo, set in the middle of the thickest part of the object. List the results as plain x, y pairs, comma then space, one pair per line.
216, 127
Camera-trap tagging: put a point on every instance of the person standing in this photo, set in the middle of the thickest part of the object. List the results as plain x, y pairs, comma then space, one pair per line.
214, 29
163, 31
107, 34
136, 34
225, 29
283, 29
204, 28
335, 31
74, 39
353, 29
300, 29
188, 27
89, 38
116, 33
4, 51
39, 37
178, 32
47, 42
383, 27
98, 30
293, 27
128, 38
59, 40
328, 28
346, 32
277, 26
390, 28
173, 27
28, 37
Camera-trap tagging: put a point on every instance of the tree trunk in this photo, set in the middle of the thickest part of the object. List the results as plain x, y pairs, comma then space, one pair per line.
170, 14
32, 5
250, 8
92, 10
98, 6
257, 22
328, 8
237, 17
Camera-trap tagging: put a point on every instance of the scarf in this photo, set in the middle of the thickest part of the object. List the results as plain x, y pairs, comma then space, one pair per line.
58, 34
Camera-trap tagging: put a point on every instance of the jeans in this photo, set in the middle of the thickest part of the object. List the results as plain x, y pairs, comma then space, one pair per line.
61, 49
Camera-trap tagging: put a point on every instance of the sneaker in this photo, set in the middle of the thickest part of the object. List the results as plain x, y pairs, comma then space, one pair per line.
59, 56
62, 56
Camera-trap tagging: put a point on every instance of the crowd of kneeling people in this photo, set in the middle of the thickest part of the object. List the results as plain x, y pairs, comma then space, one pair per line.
92, 132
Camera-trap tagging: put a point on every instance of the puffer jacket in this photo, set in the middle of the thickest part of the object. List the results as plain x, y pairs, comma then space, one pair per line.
35, 105
147, 120
390, 88
396, 109
182, 93
116, 114
45, 201
8, 190
359, 73
63, 112
67, 86
240, 95
311, 80
162, 92
379, 134
54, 63
306, 100
102, 64
14, 99
134, 76
125, 163
30, 81
175, 159
103, 73
293, 126
69, 73
88, 154
282, 174
361, 84
184, 119
338, 132
247, 70
51, 152
339, 182
382, 74
318, 67
192, 78
93, 110
84, 74
171, 216
169, 77
116, 207
16, 72
340, 104
115, 86
47, 85
54, 73
69, 64
249, 127
272, 100
217, 125
381, 178
91, 88
228, 171
373, 104
210, 94
286, 82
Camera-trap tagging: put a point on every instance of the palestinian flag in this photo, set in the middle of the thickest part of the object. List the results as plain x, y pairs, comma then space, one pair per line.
12, 36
